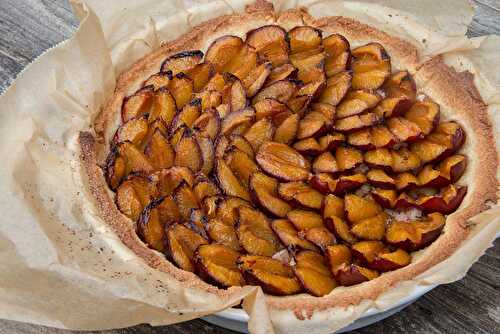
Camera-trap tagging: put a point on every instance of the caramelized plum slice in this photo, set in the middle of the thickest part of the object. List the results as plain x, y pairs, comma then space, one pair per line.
313, 273
338, 54
371, 66
270, 107
282, 162
340, 229
326, 184
186, 200
256, 79
356, 122
208, 124
134, 131
281, 91
312, 125
135, 160
243, 63
415, 235
271, 275
356, 102
287, 131
425, 114
281, 72
386, 198
150, 228
181, 62
166, 181
452, 168
358, 208
320, 236
223, 233
304, 219
216, 264
237, 98
336, 88
137, 104
163, 107
159, 151
325, 163
228, 182
200, 75
288, 235
401, 84
446, 202
255, 233
158, 80
343, 270
270, 44
300, 194
404, 130
260, 132
366, 251
375, 255
133, 195
188, 152
392, 106
222, 50
333, 206
265, 193
372, 228
348, 158
379, 178
235, 119
241, 164
204, 188
405, 181
355, 274
404, 160
181, 88
182, 243
187, 116
388, 261
303, 38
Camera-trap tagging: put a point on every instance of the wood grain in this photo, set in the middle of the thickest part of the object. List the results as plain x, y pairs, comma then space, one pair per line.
471, 305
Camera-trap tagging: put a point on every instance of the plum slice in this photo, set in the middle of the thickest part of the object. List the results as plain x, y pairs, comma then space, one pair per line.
273, 276
289, 235
313, 273
182, 243
265, 192
371, 66
181, 62
338, 54
283, 162
255, 233
415, 235
270, 43
216, 264
300, 194
222, 50
137, 104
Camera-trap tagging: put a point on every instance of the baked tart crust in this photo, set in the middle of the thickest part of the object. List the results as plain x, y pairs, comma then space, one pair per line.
454, 92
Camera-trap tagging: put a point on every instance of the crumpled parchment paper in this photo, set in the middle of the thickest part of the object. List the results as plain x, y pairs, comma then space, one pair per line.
61, 266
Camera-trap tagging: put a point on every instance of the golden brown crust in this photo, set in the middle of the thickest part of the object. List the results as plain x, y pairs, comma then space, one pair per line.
455, 92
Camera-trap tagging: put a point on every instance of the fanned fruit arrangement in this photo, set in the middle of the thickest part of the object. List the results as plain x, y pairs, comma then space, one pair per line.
287, 160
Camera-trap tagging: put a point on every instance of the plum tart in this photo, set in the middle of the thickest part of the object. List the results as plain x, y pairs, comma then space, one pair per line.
296, 155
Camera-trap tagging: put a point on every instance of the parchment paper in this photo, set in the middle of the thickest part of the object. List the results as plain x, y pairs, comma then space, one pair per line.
59, 263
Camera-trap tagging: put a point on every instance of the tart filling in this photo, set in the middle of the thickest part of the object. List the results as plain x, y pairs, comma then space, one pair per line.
287, 160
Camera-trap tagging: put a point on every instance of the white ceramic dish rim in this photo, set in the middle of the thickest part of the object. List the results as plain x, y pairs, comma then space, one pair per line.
241, 316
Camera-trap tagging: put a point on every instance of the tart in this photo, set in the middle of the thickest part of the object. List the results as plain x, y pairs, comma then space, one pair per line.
294, 153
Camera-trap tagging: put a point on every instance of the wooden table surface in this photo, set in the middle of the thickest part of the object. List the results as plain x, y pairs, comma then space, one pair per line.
471, 305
